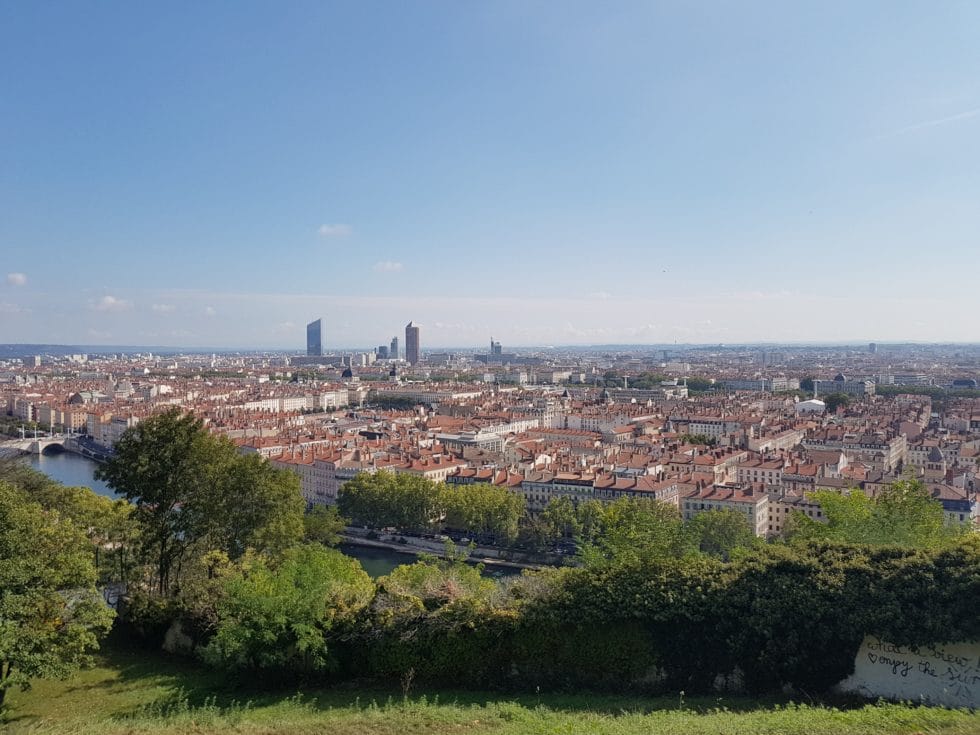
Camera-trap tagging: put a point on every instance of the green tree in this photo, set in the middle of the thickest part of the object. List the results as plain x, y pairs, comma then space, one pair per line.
560, 519
590, 514
720, 532
407, 502
637, 529
108, 523
194, 491
324, 525
251, 505
646, 380
533, 535
415, 504
51, 616
160, 465
902, 514
836, 400
397, 403
432, 582
276, 616
502, 515
612, 379
700, 385
701, 439
485, 511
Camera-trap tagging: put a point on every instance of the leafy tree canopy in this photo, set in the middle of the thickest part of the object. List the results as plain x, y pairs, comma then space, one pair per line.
51, 615
415, 504
637, 529
194, 492
431, 582
277, 615
903, 514
836, 400
324, 525
721, 532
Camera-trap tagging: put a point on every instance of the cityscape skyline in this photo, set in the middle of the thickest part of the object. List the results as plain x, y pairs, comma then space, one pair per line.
632, 174
658, 315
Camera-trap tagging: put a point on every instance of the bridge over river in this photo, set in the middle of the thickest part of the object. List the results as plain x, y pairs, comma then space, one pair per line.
56, 442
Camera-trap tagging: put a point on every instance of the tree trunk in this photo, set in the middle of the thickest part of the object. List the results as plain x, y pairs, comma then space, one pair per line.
5, 669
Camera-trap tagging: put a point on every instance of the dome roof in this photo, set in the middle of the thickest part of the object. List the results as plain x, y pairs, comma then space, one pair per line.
348, 373
840, 378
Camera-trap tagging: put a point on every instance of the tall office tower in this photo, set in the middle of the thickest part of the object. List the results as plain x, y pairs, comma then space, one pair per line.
496, 348
393, 350
382, 352
314, 344
872, 348
411, 343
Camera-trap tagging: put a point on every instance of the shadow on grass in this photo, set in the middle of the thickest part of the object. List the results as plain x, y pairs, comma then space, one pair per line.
192, 686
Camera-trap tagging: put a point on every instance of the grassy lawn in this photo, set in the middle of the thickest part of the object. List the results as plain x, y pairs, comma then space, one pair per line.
136, 692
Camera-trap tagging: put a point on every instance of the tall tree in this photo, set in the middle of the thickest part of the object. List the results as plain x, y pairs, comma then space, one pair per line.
560, 519
902, 514
638, 529
251, 505
51, 615
836, 400
720, 532
160, 465
590, 514
324, 525
193, 490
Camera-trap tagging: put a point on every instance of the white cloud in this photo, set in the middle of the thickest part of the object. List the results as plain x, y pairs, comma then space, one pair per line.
600, 295
337, 230
98, 334
111, 303
163, 308
16, 279
387, 266
13, 309
210, 311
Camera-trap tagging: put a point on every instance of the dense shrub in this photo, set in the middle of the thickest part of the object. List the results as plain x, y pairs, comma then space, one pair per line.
776, 616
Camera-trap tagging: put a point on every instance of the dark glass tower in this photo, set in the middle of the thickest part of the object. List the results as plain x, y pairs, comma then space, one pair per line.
314, 342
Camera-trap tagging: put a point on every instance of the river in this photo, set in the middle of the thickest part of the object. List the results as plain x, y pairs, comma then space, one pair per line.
71, 469
78, 471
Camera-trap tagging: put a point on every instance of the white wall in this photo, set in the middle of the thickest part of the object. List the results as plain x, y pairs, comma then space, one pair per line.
946, 674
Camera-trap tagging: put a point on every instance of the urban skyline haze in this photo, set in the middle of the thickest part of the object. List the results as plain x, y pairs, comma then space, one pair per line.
216, 175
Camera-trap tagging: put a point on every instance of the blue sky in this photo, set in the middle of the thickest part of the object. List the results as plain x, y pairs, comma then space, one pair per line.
217, 174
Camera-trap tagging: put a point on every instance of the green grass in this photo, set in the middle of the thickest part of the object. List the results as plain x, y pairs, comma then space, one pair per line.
137, 692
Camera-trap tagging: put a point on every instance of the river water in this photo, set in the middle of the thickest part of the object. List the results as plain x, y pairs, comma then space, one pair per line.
71, 469
78, 471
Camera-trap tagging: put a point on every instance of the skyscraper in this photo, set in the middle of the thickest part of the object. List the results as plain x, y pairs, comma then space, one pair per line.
412, 343
314, 343
393, 350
